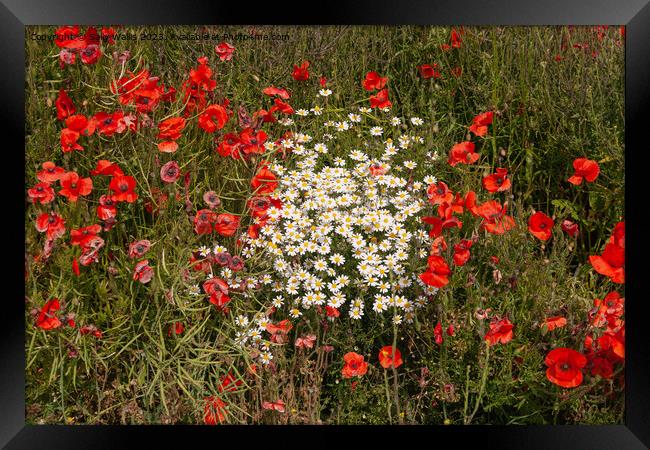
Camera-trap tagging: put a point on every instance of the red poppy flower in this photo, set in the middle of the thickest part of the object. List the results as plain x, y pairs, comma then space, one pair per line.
168, 146
51, 224
495, 219
211, 199
123, 187
480, 123
274, 406
500, 332
264, 182
47, 319
90, 248
282, 327
463, 152
389, 359
540, 225
223, 259
551, 323
260, 204
251, 141
373, 81
82, 236
90, 329
306, 341
170, 130
64, 105
570, 228
128, 85
50, 172
618, 236
565, 367
354, 366
272, 90
497, 182
170, 172
613, 343
177, 328
454, 206
236, 264
461, 252
201, 76
301, 73
80, 124
224, 51
437, 333
226, 224
380, 100
143, 272
584, 169
437, 272
470, 203
213, 118
108, 34
149, 95
229, 146
137, 249
66, 56
323, 82
229, 383
75, 266
602, 367
439, 193
429, 71
106, 209
90, 54
264, 115
332, 312
214, 411
68, 37
105, 167
68, 140
377, 169
42, 193
109, 124
611, 307
610, 263
455, 38
281, 106
450, 330
74, 187
203, 221
438, 246
218, 290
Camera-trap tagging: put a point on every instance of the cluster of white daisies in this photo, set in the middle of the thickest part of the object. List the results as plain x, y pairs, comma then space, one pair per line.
348, 233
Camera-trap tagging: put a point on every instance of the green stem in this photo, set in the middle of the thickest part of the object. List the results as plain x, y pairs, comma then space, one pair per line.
468, 420
388, 405
395, 383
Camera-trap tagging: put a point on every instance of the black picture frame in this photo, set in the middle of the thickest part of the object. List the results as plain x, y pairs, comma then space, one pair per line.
634, 14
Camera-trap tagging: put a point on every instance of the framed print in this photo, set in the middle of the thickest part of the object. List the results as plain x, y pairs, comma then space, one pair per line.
392, 220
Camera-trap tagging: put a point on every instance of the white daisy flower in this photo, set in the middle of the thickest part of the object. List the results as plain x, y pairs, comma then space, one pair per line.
266, 357
376, 131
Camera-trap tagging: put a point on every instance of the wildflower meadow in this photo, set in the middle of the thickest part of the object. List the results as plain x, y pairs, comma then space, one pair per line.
324, 225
